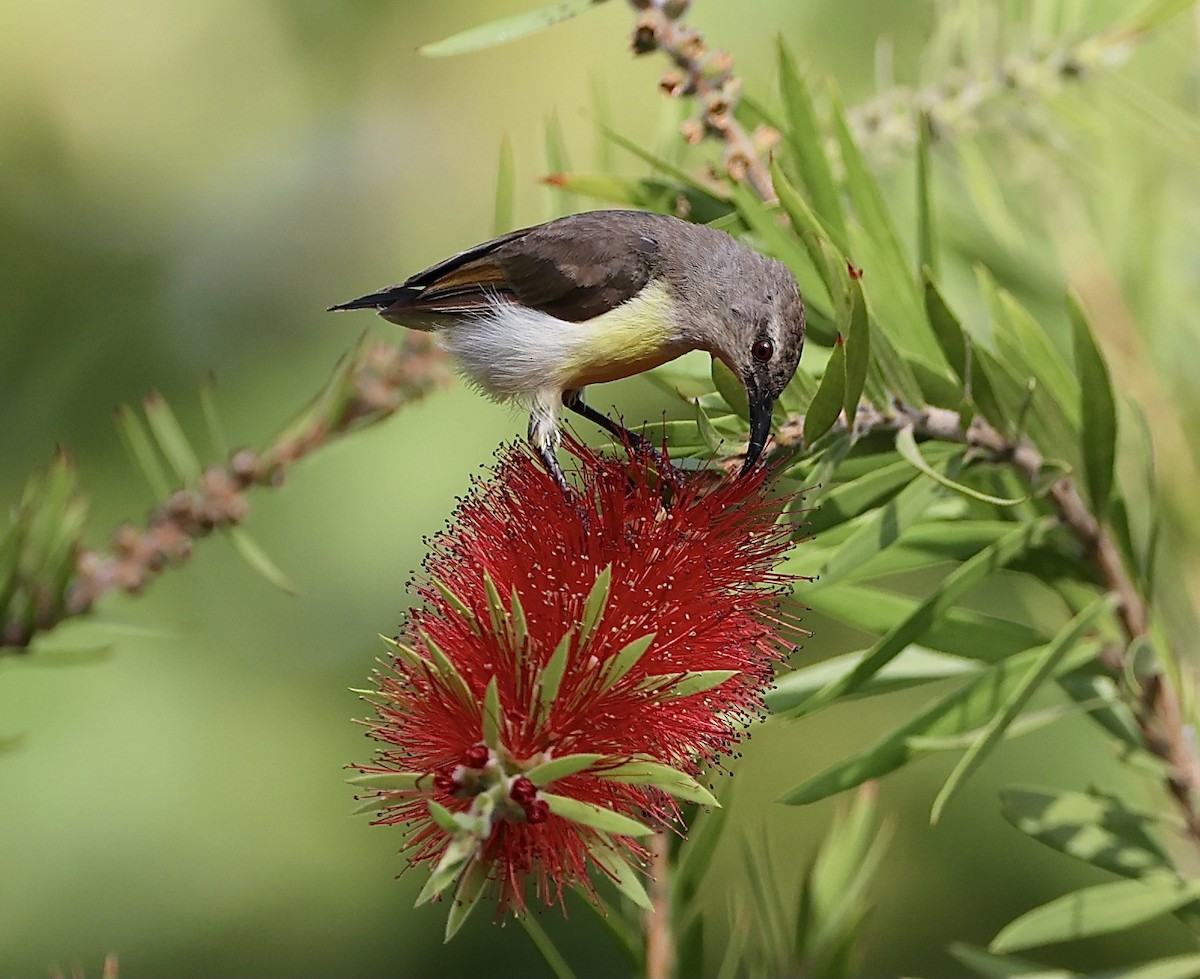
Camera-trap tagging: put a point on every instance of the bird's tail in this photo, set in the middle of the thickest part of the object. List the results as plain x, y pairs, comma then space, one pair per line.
377, 300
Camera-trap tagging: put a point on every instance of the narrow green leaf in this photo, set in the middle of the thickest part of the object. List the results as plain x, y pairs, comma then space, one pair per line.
643, 193
959, 631
1097, 408
594, 605
249, 551
626, 660
1098, 910
926, 242
460, 607
623, 876
454, 860
444, 817
914, 666
597, 817
1005, 966
675, 686
962, 710
506, 189
556, 768
1039, 672
552, 674
805, 141
858, 348
776, 240
444, 667
807, 227
506, 29
546, 947
466, 897
670, 780
407, 655
1090, 826
212, 421
492, 715
168, 433
854, 497
826, 404
906, 445
953, 587
730, 388
496, 610
883, 526
141, 450
520, 623
946, 328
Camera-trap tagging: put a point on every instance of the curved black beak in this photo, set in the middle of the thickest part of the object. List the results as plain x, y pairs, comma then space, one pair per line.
761, 404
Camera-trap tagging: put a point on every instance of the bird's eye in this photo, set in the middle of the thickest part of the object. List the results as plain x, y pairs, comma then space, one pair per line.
763, 350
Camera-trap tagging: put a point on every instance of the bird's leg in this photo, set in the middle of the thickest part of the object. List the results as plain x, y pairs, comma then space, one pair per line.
573, 399
543, 436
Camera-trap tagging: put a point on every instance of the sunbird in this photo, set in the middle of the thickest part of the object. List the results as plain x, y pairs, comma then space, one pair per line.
536, 315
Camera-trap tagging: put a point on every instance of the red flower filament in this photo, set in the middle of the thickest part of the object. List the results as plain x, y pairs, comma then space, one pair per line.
569, 653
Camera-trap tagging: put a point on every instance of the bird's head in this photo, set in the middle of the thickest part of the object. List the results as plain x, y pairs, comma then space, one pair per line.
761, 343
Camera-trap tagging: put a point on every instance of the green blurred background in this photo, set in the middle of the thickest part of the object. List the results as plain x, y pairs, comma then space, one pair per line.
184, 188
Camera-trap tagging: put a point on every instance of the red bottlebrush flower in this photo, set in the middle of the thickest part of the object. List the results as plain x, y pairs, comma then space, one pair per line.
575, 665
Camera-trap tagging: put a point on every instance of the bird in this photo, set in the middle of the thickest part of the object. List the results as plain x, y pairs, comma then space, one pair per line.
536, 315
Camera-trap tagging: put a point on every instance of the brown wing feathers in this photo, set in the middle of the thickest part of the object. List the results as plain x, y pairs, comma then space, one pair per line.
575, 269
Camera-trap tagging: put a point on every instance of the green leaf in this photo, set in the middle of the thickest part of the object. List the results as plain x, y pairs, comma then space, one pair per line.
643, 193
506, 184
249, 551
407, 655
594, 605
953, 587
549, 952
926, 238
912, 667
775, 239
675, 686
444, 817
1005, 966
492, 715
730, 388
444, 667
1090, 826
906, 445
1039, 672
454, 859
552, 674
805, 141
883, 526
623, 876
141, 450
626, 660
556, 768
469, 891
506, 29
858, 348
670, 780
1098, 910
946, 329
807, 227
853, 498
1097, 408
212, 421
961, 710
460, 607
168, 433
826, 404
597, 817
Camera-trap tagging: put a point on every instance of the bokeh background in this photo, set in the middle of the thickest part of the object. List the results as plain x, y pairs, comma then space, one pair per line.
183, 189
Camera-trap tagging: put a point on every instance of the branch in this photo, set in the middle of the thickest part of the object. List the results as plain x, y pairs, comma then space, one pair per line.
660, 943
368, 386
708, 76
1156, 707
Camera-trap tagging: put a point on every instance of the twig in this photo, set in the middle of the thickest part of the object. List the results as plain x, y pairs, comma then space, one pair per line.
660, 942
1157, 707
368, 387
708, 76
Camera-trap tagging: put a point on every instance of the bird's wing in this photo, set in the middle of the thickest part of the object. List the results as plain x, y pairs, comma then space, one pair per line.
575, 268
